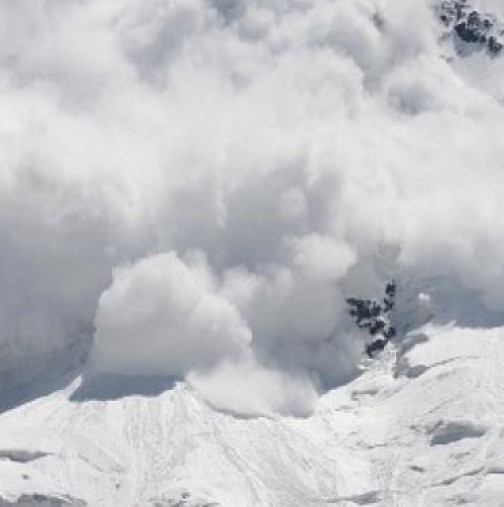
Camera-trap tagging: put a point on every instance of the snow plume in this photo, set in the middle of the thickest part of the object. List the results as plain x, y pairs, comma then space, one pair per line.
197, 186
175, 313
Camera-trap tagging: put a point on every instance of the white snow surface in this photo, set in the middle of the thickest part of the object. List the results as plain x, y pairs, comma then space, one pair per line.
421, 426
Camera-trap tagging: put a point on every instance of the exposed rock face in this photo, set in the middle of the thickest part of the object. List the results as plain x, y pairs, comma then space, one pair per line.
474, 29
374, 316
471, 26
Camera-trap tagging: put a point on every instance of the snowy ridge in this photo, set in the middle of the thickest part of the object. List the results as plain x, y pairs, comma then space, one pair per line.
424, 425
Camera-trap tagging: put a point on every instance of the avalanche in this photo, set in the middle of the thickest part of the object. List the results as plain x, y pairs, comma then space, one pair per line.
202, 203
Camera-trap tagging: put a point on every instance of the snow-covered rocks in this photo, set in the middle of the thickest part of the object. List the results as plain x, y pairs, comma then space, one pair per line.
471, 26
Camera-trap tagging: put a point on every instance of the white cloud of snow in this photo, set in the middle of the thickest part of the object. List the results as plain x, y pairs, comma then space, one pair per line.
161, 316
286, 143
246, 388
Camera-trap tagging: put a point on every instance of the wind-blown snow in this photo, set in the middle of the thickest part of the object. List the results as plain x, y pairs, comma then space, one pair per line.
174, 313
198, 185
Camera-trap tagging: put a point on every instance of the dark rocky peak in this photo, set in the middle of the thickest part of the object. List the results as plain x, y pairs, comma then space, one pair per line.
471, 26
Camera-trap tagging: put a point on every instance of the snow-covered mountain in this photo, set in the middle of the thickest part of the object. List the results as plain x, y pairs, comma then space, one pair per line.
421, 426
210, 210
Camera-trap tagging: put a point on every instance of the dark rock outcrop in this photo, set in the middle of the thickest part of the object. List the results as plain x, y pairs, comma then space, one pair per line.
375, 317
471, 26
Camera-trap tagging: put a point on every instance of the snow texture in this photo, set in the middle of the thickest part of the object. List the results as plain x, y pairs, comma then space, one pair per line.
385, 438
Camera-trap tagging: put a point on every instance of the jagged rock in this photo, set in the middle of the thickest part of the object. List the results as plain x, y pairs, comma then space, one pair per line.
494, 45
452, 11
472, 26
374, 316
474, 29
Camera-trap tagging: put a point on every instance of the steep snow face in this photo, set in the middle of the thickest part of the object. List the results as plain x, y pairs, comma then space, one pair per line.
421, 426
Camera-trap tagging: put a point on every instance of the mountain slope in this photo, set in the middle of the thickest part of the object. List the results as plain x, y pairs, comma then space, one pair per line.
421, 426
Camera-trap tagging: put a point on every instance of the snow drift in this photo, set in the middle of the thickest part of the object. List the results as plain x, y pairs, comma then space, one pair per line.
197, 185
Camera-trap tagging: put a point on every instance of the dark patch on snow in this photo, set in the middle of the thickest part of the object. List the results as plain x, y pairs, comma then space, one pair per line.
360, 393
496, 471
108, 386
417, 468
455, 478
404, 369
185, 499
43, 501
411, 342
370, 497
416, 371
448, 433
20, 455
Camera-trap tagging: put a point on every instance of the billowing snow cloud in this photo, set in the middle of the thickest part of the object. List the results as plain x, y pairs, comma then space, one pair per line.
247, 388
162, 317
196, 185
